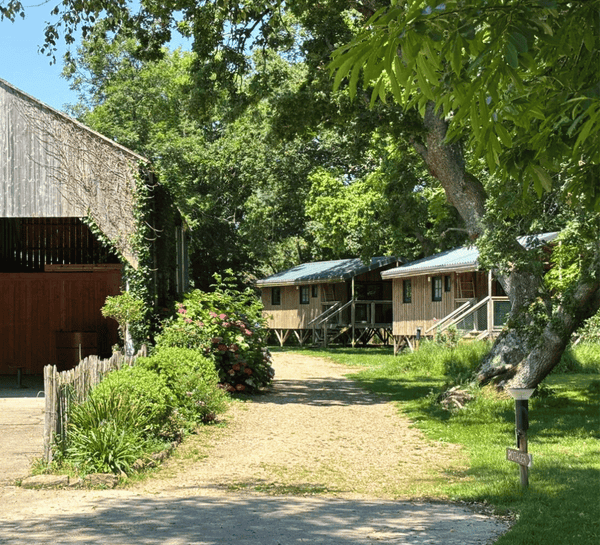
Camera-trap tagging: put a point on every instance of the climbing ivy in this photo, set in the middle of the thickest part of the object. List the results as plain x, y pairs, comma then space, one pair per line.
137, 281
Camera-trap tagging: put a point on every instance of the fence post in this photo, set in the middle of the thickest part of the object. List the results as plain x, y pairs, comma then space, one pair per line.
62, 388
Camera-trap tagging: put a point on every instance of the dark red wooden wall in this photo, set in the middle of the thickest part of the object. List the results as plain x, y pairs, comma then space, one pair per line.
35, 306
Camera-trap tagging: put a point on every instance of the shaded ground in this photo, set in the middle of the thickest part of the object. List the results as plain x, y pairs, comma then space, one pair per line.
344, 454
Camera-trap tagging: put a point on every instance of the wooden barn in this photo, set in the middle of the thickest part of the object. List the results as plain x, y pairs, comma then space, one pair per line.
55, 273
343, 300
449, 289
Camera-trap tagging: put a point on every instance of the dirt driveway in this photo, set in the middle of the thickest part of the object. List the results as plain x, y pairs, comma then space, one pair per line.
21, 426
316, 460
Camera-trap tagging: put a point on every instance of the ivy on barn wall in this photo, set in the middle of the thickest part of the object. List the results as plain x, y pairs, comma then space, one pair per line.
151, 241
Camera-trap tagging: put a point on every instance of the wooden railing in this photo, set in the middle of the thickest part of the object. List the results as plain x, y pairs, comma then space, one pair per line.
483, 324
325, 315
459, 310
63, 388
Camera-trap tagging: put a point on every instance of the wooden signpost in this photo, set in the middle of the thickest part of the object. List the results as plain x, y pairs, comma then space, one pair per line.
521, 458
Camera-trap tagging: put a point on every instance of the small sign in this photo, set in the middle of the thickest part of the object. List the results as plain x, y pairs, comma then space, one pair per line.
521, 458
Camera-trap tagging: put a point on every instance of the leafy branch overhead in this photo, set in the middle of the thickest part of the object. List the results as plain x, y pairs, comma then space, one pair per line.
518, 80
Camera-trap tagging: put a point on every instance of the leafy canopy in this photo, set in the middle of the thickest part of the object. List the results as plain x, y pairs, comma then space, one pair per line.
518, 80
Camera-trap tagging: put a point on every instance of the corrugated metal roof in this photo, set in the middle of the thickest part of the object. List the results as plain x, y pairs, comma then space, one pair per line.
459, 259
464, 259
324, 271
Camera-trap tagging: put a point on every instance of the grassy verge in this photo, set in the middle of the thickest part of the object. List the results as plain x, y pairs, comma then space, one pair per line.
562, 503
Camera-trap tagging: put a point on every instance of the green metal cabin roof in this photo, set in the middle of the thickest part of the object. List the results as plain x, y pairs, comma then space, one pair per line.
459, 259
324, 271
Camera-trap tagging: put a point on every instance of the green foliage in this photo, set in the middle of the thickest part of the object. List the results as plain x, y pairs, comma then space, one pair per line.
475, 62
590, 332
227, 326
583, 358
449, 337
192, 379
111, 429
138, 387
125, 309
106, 448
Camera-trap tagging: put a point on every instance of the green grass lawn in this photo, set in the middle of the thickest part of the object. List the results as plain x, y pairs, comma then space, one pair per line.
562, 503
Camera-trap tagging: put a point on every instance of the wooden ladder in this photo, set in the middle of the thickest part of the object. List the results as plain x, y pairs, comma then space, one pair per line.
328, 292
466, 289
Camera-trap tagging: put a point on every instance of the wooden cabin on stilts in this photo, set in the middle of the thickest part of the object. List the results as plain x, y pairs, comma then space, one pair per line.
449, 290
344, 301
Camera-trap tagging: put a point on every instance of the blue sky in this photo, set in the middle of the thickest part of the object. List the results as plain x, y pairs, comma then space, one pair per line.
21, 64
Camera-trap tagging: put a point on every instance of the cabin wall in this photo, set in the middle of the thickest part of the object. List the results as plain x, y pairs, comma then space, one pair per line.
290, 314
38, 306
421, 311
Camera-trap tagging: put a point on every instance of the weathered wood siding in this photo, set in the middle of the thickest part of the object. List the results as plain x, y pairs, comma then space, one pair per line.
421, 311
291, 314
52, 166
35, 306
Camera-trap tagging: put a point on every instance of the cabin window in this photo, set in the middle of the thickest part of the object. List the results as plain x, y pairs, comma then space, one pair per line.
315, 290
406, 291
276, 296
304, 295
447, 283
436, 288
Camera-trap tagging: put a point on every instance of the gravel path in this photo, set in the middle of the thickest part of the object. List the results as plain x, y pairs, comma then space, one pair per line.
315, 460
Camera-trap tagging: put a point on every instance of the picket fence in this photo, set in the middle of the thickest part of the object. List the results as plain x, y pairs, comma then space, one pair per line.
63, 388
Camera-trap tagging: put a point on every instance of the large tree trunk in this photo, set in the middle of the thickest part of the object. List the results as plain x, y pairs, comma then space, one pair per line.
519, 354
581, 305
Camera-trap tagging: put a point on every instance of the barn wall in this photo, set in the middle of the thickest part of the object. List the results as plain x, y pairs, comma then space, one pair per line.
52, 166
38, 305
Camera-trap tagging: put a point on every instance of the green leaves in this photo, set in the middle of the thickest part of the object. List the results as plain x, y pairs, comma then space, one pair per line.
526, 73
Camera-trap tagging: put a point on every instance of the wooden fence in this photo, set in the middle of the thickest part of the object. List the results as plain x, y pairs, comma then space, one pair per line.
62, 388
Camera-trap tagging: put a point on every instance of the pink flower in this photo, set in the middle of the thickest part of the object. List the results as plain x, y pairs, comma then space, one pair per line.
248, 333
222, 316
212, 314
182, 310
188, 321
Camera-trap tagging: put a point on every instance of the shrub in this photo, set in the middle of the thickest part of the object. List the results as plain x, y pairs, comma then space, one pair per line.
126, 310
227, 326
192, 379
138, 387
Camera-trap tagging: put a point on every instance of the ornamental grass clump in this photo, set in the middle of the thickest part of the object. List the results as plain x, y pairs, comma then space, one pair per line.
227, 326
124, 416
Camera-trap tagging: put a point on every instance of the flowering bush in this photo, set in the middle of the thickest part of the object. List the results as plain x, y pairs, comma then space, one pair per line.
227, 326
